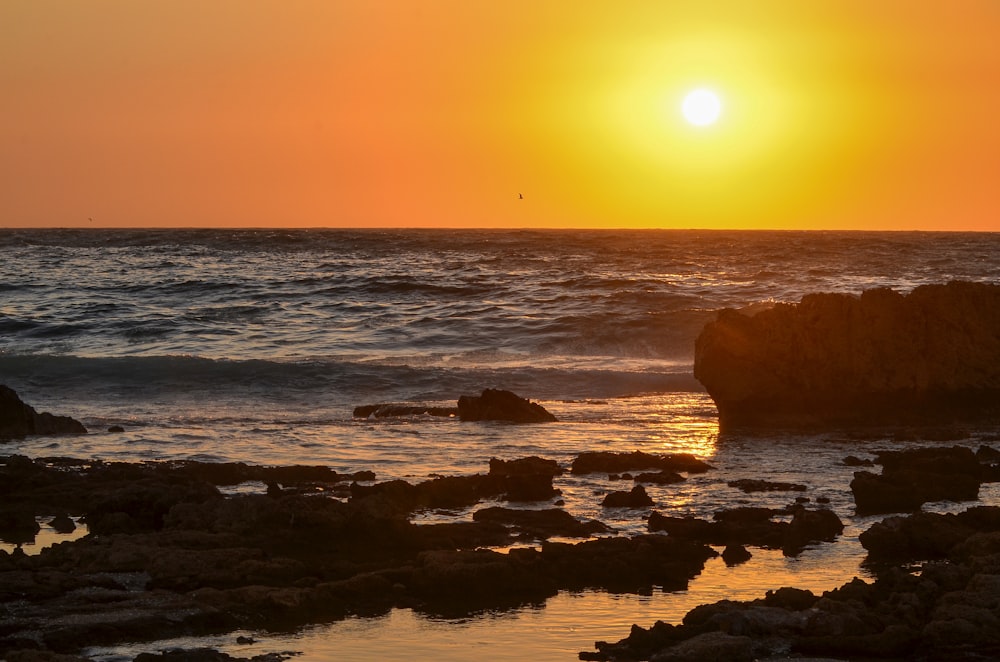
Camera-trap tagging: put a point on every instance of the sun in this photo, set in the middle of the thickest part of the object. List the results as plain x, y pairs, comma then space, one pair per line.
701, 107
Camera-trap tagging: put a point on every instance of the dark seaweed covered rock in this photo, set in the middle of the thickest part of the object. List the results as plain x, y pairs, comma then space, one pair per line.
18, 419
499, 405
930, 357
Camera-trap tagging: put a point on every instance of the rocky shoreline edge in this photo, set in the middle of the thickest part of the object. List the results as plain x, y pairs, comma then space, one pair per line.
168, 554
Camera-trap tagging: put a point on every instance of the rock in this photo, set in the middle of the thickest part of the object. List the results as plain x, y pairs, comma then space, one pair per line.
116, 428
63, 523
19, 420
709, 647
526, 479
735, 555
498, 405
660, 478
754, 485
913, 477
636, 498
17, 524
525, 466
922, 536
927, 358
753, 526
617, 463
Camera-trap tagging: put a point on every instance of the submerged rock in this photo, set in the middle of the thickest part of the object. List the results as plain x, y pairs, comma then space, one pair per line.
18, 419
927, 358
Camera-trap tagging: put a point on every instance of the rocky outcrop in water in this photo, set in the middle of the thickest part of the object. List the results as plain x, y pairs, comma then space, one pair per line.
18, 419
881, 358
490, 405
498, 405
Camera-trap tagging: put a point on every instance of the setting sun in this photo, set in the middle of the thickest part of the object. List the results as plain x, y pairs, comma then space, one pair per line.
701, 107
779, 115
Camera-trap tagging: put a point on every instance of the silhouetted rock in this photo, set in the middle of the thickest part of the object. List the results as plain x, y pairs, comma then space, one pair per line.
663, 477
542, 524
735, 555
754, 526
636, 498
525, 466
911, 478
922, 536
527, 478
18, 419
498, 405
930, 357
755, 485
616, 463
17, 524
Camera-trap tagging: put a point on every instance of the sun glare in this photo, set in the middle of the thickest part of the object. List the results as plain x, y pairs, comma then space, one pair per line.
701, 107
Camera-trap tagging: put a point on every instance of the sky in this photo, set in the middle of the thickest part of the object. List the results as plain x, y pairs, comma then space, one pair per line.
835, 114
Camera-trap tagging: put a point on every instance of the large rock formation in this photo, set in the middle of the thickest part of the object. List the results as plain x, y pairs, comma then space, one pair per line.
19, 420
929, 357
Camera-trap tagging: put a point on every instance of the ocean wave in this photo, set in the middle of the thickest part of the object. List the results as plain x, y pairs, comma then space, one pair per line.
346, 382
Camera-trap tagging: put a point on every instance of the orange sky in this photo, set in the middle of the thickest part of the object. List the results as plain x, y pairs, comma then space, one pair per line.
846, 114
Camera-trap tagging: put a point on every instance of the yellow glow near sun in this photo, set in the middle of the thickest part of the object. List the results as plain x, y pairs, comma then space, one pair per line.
701, 107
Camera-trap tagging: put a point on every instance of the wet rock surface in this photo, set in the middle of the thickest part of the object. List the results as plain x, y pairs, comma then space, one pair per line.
929, 357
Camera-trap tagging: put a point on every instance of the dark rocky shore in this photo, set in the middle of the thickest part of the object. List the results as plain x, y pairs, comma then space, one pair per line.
168, 554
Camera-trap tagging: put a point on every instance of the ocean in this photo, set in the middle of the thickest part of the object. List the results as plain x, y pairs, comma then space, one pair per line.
256, 345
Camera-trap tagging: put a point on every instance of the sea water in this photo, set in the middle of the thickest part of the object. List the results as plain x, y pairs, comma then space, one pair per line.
256, 345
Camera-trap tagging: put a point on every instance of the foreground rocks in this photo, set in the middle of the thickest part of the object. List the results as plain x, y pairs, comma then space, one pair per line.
169, 555
943, 609
929, 357
18, 419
